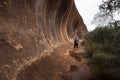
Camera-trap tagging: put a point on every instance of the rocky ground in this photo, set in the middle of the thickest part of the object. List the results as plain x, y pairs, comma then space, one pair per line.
64, 64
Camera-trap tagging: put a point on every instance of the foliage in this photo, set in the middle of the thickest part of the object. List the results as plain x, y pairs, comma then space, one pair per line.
103, 45
105, 41
109, 9
104, 35
110, 6
102, 19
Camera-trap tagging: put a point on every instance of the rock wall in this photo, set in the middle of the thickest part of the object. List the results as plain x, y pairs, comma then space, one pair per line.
31, 28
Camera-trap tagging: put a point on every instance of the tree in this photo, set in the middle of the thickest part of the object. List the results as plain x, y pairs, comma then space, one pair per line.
109, 9
110, 6
101, 19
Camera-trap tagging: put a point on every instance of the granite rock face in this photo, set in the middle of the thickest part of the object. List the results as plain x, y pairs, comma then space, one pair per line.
31, 28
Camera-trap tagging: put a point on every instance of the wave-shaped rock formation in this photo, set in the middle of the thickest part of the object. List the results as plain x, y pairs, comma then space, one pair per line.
31, 29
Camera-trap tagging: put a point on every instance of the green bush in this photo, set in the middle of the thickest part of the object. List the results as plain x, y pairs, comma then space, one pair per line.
103, 46
104, 34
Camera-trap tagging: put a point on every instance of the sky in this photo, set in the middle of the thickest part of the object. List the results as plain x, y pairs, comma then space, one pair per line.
87, 9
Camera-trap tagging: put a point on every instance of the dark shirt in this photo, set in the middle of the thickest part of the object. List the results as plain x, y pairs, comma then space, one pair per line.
76, 40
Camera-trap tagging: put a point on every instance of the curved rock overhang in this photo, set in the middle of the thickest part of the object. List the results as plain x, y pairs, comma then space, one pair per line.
59, 18
29, 28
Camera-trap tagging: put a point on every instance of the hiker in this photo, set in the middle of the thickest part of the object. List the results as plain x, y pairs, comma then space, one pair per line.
76, 41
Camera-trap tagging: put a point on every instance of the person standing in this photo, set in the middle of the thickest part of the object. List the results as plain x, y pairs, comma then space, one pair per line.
76, 42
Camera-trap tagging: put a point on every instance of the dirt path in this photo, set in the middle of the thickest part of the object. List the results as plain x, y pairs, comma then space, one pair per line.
77, 69
82, 71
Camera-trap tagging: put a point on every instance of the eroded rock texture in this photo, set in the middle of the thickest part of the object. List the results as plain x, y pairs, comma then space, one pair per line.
31, 28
